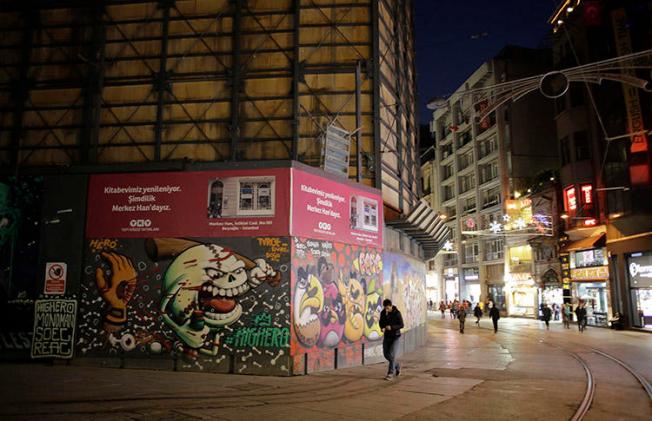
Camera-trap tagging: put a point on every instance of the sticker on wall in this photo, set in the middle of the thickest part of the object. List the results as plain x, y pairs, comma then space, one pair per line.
55, 278
54, 328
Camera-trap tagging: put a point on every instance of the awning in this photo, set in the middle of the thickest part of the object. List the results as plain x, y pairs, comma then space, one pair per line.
425, 226
592, 242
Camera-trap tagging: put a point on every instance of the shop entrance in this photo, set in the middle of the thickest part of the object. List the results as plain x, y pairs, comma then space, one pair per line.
642, 303
594, 295
553, 295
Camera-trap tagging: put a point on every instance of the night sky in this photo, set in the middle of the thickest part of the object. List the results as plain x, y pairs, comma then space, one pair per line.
446, 52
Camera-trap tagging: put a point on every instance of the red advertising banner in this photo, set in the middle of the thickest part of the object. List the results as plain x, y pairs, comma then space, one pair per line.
330, 210
230, 203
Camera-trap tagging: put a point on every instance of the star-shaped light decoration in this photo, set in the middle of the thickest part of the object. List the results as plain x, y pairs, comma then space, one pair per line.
495, 227
520, 223
506, 218
448, 246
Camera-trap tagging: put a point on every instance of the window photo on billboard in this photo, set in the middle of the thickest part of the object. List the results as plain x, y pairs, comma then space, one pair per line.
241, 196
364, 213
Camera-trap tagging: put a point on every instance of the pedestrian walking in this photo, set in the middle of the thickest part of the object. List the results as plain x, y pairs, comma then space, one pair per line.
391, 322
495, 316
454, 309
567, 315
442, 308
477, 312
547, 315
461, 316
580, 313
555, 311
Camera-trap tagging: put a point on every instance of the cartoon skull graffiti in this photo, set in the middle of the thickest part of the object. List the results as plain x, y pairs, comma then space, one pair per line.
201, 288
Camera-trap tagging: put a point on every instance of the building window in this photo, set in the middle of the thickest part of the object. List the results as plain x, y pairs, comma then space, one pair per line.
490, 197
488, 172
582, 146
464, 138
448, 192
494, 249
447, 171
471, 252
466, 160
467, 183
565, 151
255, 197
469, 204
486, 147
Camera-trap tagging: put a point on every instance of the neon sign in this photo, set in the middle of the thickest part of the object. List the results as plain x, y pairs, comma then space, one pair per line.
587, 193
570, 198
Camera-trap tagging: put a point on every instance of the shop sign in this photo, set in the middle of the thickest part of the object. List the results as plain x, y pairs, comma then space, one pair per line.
640, 270
582, 274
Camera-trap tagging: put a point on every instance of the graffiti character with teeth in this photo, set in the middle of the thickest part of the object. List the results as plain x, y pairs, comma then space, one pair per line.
373, 307
201, 288
354, 303
308, 304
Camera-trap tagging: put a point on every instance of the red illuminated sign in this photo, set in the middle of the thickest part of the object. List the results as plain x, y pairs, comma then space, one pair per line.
590, 222
587, 194
570, 200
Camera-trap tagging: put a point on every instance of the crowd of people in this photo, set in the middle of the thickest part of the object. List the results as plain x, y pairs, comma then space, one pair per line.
461, 309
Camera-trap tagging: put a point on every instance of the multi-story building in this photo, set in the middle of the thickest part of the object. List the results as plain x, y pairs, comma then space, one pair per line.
478, 165
602, 133
206, 114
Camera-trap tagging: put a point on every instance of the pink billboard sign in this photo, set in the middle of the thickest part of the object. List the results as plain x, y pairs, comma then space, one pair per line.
229, 203
331, 210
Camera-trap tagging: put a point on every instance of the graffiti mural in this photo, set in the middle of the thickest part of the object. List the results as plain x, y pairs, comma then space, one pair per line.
20, 225
208, 302
405, 282
337, 297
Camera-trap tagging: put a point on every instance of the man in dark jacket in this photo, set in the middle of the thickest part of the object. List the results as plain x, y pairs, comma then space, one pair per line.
477, 312
580, 313
547, 315
391, 323
495, 315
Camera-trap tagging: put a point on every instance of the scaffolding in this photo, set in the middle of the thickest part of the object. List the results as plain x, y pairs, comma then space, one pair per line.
115, 81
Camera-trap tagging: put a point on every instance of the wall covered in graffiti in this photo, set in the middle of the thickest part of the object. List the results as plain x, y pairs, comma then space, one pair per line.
20, 225
337, 294
405, 282
207, 304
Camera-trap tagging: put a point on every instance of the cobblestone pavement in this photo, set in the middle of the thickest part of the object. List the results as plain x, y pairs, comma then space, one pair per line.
522, 372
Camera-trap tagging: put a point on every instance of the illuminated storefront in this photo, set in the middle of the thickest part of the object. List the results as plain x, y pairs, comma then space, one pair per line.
589, 274
639, 271
521, 290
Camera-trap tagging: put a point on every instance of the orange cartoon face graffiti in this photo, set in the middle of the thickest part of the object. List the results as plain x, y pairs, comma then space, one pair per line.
354, 302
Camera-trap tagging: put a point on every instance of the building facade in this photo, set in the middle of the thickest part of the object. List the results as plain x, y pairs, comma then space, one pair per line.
602, 132
481, 166
195, 126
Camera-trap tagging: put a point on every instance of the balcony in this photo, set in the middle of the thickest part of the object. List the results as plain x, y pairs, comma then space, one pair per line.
464, 139
491, 256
